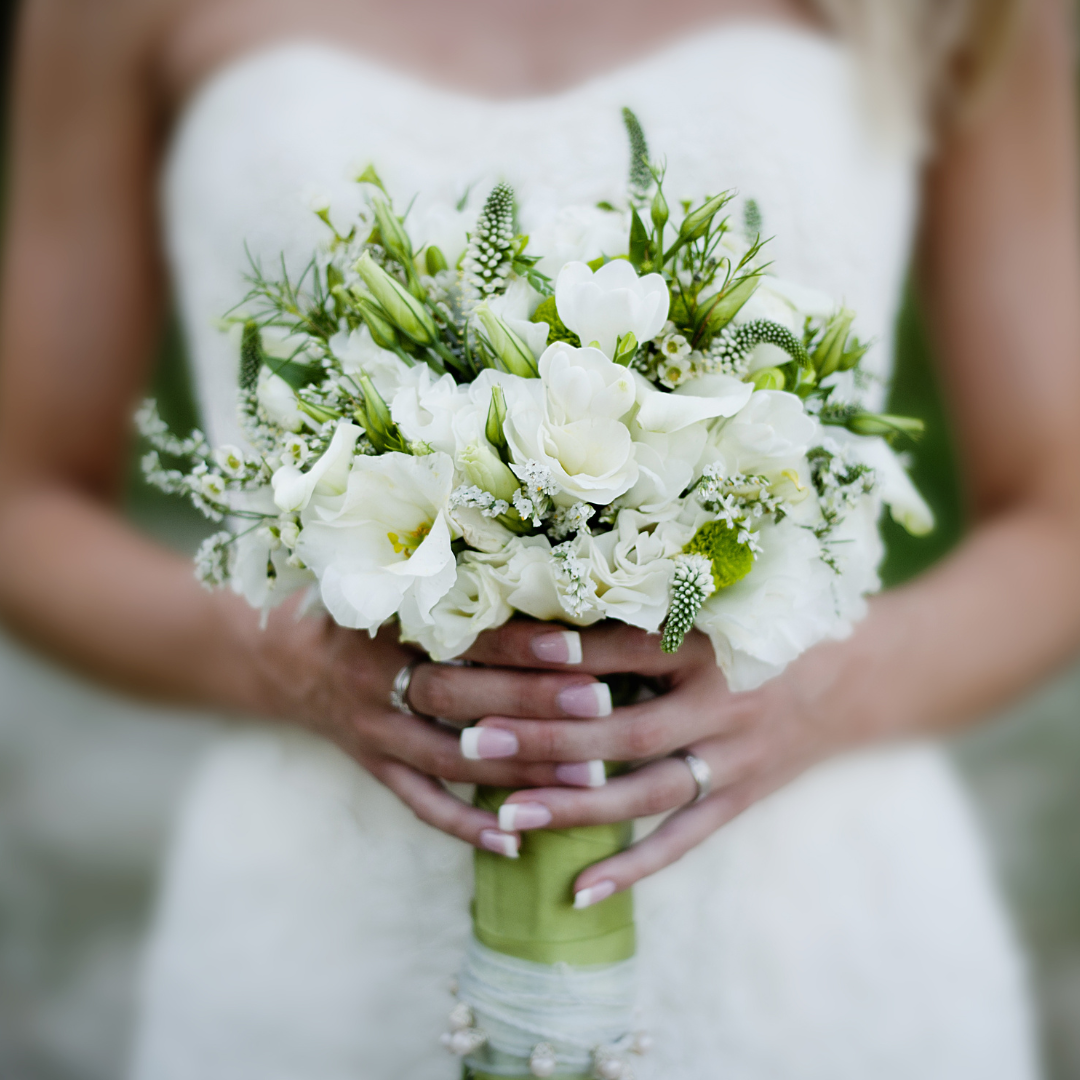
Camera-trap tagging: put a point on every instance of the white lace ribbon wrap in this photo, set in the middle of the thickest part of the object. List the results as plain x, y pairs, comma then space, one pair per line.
519, 1003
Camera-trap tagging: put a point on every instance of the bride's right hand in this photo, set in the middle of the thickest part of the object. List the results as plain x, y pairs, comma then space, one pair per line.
337, 682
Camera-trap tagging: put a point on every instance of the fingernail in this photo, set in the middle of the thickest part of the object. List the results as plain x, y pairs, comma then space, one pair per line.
561, 648
523, 815
582, 774
584, 898
479, 743
592, 699
500, 843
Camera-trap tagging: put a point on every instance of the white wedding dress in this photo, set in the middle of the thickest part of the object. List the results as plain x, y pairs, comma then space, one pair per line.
845, 928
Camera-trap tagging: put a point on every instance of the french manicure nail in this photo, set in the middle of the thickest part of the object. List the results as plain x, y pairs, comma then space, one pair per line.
523, 815
501, 843
584, 898
478, 744
591, 699
561, 648
582, 773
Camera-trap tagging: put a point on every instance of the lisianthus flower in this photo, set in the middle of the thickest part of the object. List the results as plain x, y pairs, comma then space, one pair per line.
385, 542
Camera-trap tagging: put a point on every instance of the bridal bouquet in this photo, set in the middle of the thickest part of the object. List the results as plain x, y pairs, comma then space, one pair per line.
639, 423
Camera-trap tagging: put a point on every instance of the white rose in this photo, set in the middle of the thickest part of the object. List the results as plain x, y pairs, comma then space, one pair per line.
386, 542
614, 301
631, 567
357, 351
570, 420
476, 602
704, 398
329, 475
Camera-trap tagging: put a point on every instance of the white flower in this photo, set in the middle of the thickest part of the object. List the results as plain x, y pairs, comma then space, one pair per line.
768, 436
295, 450
327, 477
384, 546
893, 485
614, 301
704, 398
424, 407
786, 603
230, 459
261, 569
578, 234
476, 602
514, 308
357, 351
278, 401
631, 567
570, 421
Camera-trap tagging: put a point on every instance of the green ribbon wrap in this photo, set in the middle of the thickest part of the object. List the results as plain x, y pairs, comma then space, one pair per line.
524, 907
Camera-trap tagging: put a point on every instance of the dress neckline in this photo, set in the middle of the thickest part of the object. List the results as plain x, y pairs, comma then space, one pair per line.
308, 44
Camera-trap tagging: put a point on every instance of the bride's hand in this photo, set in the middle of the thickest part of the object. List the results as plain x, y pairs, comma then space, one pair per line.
753, 743
337, 683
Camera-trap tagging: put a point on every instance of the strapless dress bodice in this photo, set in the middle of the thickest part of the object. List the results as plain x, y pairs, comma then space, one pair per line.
770, 110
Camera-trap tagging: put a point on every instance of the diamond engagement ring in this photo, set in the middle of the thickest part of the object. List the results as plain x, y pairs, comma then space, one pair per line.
399, 692
700, 771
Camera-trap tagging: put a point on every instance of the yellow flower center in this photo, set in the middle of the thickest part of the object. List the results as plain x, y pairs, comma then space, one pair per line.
407, 543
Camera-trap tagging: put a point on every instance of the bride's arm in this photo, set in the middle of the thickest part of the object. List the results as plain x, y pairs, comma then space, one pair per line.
1001, 278
79, 319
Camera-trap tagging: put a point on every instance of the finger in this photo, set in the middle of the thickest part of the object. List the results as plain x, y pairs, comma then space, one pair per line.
435, 806
684, 830
600, 650
653, 789
436, 751
652, 729
464, 694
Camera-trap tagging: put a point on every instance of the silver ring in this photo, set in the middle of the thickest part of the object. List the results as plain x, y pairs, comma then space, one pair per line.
700, 771
399, 692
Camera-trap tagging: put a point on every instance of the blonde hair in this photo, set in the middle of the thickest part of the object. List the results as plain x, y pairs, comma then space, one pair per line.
928, 62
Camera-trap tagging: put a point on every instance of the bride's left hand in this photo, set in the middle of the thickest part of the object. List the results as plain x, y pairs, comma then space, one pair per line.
753, 742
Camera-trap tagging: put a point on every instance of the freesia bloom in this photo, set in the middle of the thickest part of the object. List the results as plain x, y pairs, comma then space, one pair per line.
383, 546
570, 420
610, 303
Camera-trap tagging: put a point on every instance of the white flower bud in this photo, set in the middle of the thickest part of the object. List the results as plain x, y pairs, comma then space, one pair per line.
486, 470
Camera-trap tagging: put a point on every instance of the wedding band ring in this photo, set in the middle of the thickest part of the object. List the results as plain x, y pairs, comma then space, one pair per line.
701, 773
399, 692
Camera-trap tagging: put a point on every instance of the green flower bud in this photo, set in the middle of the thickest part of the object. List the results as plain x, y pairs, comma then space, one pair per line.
496, 419
382, 330
486, 470
251, 355
625, 348
719, 543
434, 260
830, 351
697, 222
885, 425
515, 356
370, 176
403, 309
377, 421
770, 378
659, 210
394, 237
720, 310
